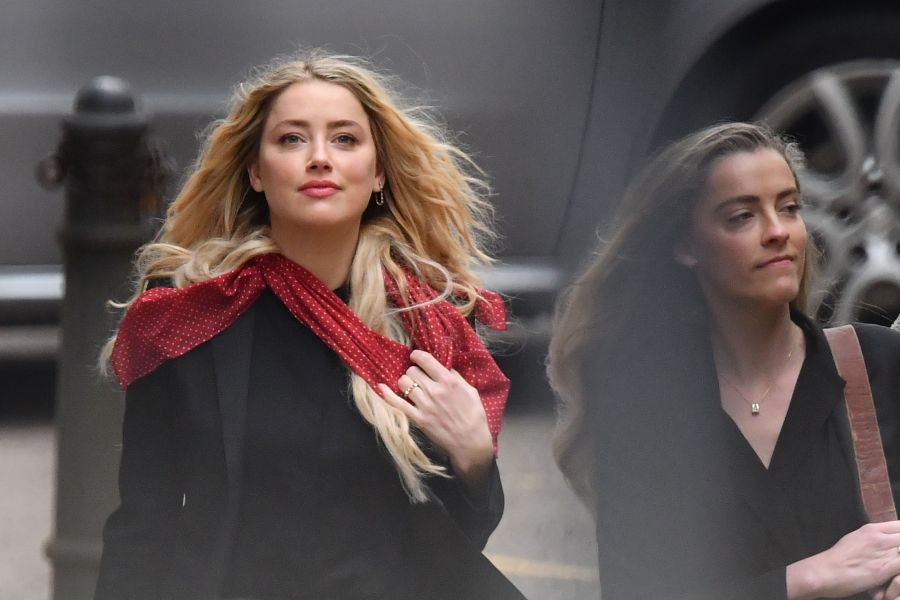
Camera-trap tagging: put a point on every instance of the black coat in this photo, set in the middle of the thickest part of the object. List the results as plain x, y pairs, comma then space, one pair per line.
686, 510
181, 482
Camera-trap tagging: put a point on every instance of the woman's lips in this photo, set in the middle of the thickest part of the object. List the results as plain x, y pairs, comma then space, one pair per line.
320, 188
319, 192
778, 261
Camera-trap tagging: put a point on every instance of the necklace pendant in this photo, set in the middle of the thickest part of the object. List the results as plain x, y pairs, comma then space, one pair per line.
754, 409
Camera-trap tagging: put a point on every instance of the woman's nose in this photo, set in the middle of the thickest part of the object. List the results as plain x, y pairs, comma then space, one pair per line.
774, 230
318, 157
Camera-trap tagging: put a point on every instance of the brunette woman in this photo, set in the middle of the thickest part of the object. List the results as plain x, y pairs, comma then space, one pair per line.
703, 418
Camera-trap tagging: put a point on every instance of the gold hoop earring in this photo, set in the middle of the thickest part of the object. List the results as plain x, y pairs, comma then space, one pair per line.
379, 198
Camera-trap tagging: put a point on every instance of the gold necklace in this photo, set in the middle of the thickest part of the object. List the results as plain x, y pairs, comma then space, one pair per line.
754, 406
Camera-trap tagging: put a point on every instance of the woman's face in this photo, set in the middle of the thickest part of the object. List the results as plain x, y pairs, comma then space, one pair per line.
748, 242
317, 162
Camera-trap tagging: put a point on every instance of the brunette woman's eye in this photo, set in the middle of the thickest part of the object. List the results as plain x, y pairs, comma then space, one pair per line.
740, 217
793, 208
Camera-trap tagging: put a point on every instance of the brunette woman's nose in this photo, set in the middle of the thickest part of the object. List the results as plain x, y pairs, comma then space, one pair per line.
775, 231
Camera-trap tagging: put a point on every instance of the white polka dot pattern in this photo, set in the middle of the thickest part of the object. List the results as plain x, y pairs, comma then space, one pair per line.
164, 323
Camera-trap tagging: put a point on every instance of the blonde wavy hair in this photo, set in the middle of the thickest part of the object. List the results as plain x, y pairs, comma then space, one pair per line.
436, 220
634, 288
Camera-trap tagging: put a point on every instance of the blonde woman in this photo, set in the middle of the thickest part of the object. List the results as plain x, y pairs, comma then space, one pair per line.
704, 419
309, 413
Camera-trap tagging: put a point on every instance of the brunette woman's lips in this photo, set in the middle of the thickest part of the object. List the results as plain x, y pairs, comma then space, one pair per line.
778, 261
320, 188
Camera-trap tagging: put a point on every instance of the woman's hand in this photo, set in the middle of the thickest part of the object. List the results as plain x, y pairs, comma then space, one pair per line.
865, 559
890, 591
449, 411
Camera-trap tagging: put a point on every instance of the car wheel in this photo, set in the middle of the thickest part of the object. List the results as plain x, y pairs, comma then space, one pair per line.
847, 117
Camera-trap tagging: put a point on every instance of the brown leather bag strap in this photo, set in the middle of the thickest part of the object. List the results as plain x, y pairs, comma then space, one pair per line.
874, 482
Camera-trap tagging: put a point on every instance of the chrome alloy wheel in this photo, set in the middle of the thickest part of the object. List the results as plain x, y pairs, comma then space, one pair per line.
847, 120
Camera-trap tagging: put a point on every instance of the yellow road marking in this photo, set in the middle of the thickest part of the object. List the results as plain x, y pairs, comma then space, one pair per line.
514, 565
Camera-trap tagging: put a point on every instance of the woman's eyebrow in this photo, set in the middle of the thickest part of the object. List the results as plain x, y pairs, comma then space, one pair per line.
343, 123
754, 199
330, 125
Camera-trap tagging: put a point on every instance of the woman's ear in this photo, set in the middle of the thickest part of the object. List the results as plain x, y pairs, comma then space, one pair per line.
253, 173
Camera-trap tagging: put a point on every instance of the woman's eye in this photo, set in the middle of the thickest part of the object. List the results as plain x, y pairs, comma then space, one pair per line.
740, 217
345, 139
792, 208
290, 138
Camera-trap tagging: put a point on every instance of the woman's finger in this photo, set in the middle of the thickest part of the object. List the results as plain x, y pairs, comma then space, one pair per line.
437, 380
412, 390
892, 592
419, 376
399, 403
430, 365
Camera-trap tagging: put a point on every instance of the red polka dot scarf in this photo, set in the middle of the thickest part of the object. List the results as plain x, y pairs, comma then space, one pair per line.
164, 323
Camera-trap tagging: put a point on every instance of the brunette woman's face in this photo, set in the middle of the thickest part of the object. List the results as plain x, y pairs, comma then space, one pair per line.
748, 242
317, 162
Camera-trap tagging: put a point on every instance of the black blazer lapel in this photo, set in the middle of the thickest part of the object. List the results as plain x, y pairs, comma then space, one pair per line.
231, 352
231, 357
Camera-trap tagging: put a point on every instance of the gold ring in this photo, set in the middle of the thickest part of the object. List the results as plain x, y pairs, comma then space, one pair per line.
415, 385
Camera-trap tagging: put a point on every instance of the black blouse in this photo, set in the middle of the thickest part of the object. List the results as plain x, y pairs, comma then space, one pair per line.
685, 507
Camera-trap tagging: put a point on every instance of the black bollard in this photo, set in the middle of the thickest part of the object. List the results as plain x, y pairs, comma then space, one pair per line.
112, 192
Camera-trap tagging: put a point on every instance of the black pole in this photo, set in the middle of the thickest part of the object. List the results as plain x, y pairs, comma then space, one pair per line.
105, 160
